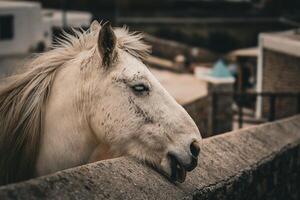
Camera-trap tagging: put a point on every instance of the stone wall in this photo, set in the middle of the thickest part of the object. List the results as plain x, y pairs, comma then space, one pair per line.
281, 73
256, 163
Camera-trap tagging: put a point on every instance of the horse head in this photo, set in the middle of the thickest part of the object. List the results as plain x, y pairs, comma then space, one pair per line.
132, 114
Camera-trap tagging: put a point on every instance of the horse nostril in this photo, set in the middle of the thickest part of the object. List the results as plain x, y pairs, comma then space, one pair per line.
195, 149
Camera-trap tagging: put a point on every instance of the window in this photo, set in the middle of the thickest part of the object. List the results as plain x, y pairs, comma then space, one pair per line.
6, 27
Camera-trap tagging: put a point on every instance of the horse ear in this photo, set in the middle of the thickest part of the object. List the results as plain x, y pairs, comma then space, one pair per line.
95, 25
106, 44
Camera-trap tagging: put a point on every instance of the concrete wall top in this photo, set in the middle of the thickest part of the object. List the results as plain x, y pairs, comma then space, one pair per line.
224, 160
287, 42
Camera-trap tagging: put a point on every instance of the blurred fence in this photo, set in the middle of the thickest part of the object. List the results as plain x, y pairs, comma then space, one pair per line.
241, 99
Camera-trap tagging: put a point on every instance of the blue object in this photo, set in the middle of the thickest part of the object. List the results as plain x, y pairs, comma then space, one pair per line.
220, 70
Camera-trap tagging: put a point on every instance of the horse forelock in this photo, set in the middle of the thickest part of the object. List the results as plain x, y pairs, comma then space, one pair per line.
80, 40
23, 99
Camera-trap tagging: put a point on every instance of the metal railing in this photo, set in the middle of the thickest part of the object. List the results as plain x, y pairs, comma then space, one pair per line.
240, 98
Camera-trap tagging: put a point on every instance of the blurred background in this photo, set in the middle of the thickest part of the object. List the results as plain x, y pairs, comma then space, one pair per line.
218, 25
230, 63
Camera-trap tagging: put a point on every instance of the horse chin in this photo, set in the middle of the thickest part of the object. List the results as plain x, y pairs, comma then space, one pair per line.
178, 172
172, 170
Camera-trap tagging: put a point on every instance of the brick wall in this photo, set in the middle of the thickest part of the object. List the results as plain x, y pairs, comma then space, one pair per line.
262, 162
281, 73
220, 115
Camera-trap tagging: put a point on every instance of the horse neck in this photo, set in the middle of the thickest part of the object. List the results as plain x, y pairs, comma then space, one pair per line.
67, 140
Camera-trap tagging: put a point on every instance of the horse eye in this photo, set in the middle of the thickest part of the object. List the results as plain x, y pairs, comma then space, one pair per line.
139, 88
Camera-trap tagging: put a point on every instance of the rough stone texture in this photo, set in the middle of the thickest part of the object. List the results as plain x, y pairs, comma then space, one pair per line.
257, 163
281, 73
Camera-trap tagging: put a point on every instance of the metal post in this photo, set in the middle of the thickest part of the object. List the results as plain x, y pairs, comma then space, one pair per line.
240, 111
240, 76
298, 103
272, 113
214, 112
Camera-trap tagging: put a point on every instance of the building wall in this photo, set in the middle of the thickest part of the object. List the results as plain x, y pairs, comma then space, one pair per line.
281, 73
27, 28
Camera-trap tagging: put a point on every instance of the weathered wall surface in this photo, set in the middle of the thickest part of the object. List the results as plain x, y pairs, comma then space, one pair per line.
258, 163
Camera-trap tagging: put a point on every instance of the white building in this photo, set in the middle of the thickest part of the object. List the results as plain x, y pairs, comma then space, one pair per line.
21, 27
73, 18
25, 27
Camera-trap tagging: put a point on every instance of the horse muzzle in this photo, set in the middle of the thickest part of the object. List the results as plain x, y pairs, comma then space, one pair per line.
180, 166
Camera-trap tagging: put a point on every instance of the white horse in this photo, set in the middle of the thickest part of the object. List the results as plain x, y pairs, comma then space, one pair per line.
92, 98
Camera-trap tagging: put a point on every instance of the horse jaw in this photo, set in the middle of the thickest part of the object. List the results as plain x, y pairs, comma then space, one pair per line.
101, 152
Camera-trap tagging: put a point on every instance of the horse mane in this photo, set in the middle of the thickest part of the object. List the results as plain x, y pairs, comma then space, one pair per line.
24, 96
